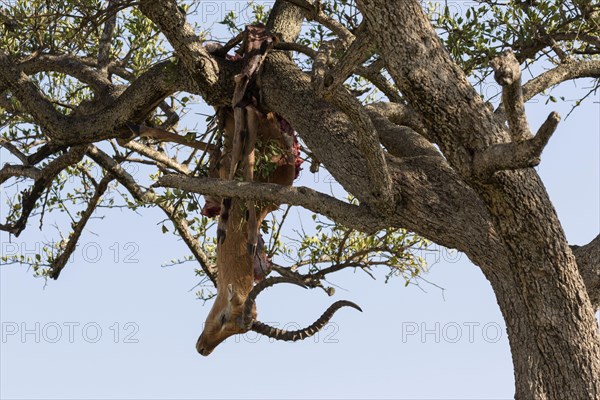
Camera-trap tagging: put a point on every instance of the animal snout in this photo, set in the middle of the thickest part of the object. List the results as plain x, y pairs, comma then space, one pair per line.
201, 348
204, 352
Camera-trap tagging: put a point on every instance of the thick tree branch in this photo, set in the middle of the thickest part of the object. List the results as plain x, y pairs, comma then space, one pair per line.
171, 21
367, 140
68, 64
347, 214
508, 74
315, 13
132, 106
555, 76
515, 155
285, 20
358, 52
588, 262
562, 73
401, 114
9, 171
327, 131
28, 94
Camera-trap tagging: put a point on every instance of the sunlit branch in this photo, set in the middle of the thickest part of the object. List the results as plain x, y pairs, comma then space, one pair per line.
45, 178
58, 263
345, 213
150, 197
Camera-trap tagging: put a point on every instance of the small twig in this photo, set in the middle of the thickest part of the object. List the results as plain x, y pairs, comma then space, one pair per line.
59, 262
165, 136
106, 37
150, 197
43, 213
297, 47
47, 175
222, 51
358, 52
275, 237
156, 156
342, 245
315, 13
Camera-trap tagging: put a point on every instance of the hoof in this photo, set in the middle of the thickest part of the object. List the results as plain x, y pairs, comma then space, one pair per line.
251, 249
246, 327
221, 235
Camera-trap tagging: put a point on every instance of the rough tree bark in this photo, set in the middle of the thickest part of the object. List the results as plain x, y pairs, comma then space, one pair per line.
459, 176
551, 326
505, 224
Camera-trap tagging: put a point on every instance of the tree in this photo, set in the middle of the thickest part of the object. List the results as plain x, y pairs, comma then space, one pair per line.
435, 158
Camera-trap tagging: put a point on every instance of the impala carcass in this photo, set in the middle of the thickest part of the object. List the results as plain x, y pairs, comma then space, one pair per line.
241, 259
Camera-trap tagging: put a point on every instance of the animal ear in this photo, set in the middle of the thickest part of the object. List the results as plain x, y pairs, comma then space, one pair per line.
230, 292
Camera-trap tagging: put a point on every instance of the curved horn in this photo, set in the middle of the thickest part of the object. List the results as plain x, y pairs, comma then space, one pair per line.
262, 285
292, 336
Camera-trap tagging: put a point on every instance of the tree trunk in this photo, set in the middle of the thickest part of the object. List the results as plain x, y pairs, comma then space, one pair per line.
553, 358
551, 325
552, 330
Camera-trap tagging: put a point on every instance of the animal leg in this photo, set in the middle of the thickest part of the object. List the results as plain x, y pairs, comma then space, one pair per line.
252, 130
236, 155
239, 115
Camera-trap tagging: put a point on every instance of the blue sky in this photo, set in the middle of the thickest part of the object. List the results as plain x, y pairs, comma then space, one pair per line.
118, 325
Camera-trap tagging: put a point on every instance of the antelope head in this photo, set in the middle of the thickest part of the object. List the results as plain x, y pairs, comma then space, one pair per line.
225, 319
237, 316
